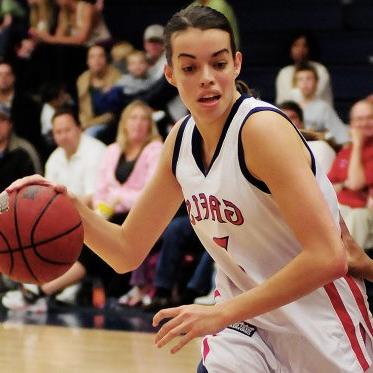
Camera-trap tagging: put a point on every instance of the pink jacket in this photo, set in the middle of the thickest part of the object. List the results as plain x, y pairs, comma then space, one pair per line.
109, 188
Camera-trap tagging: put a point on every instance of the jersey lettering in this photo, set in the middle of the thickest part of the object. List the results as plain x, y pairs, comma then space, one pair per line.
202, 207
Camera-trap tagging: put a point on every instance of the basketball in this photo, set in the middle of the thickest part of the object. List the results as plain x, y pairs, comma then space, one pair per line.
41, 234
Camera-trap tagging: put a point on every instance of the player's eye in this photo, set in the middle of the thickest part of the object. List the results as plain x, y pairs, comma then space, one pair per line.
188, 69
220, 65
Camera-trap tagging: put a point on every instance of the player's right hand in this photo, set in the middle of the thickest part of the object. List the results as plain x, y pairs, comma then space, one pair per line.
34, 179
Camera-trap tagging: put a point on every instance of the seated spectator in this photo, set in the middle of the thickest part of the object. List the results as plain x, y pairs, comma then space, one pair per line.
24, 111
125, 169
79, 25
352, 174
18, 158
119, 53
53, 97
300, 53
318, 114
154, 49
42, 19
12, 15
137, 79
322, 151
99, 77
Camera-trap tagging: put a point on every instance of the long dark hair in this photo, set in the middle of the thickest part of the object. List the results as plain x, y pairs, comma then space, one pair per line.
201, 17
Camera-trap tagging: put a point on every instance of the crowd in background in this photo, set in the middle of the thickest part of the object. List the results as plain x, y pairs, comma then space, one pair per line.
92, 113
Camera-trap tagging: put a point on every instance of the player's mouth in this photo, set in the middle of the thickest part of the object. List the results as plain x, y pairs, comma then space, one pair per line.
209, 99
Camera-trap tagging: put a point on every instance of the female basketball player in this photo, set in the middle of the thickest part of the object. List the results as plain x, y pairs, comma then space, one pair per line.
261, 207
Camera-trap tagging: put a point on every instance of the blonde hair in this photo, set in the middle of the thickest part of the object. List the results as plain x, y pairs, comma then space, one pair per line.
136, 52
153, 133
121, 50
41, 13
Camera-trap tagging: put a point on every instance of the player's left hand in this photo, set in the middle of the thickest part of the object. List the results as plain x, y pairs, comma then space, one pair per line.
188, 322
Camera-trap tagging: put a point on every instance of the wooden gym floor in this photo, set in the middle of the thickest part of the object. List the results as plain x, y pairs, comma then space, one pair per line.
82, 340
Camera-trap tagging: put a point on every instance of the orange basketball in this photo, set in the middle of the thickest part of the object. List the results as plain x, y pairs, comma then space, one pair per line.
41, 234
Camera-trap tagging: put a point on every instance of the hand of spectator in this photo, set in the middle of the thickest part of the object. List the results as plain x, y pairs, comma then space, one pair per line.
357, 137
40, 35
26, 48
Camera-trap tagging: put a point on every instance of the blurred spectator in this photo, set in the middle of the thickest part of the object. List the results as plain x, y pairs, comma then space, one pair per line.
322, 151
300, 52
137, 79
99, 77
352, 174
79, 23
24, 111
154, 49
42, 18
53, 96
119, 53
17, 157
125, 169
12, 25
318, 114
223, 7
74, 162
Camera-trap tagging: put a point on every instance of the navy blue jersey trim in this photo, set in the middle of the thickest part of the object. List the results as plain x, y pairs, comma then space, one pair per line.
197, 139
241, 157
179, 137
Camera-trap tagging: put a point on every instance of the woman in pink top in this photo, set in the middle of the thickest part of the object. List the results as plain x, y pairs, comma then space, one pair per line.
126, 167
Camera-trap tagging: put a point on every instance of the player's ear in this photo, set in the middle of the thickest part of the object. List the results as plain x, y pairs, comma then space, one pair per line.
168, 73
237, 63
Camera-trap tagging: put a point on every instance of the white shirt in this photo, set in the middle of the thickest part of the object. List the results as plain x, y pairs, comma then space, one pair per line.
47, 113
323, 153
79, 173
285, 89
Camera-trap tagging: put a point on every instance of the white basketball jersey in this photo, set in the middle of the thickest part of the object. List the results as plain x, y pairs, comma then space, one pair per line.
241, 226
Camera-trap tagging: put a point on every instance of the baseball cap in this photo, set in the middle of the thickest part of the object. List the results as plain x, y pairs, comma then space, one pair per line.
154, 32
4, 112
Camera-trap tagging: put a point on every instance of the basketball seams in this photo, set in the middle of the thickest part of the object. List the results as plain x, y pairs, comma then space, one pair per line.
9, 252
19, 238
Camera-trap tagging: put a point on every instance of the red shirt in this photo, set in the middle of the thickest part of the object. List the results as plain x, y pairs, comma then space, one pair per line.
338, 174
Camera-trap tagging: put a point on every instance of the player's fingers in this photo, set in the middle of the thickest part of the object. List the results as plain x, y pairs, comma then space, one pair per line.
166, 328
33, 179
182, 342
167, 313
171, 334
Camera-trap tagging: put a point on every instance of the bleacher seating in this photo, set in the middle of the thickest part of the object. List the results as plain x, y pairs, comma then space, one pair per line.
342, 28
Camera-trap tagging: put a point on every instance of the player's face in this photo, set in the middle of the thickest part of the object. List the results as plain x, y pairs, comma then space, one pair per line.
96, 60
137, 125
66, 133
204, 71
306, 82
362, 118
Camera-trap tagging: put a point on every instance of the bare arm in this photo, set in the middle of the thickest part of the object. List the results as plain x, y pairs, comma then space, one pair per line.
269, 150
359, 263
355, 175
60, 36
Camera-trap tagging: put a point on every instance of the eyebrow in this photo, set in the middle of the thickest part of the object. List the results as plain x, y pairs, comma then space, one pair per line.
224, 50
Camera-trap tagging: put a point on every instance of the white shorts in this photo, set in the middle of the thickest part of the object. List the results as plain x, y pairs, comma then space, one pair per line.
242, 348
